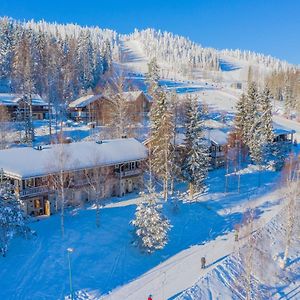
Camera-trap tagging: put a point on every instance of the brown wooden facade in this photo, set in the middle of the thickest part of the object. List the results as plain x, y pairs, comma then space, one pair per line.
38, 195
100, 110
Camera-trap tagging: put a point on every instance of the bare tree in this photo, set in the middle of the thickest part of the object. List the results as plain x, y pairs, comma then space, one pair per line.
244, 280
120, 112
60, 179
292, 194
97, 179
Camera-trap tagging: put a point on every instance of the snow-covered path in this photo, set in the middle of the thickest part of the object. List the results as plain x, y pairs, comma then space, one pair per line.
183, 270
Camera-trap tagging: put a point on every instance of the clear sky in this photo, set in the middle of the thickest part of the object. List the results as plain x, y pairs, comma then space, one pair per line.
267, 26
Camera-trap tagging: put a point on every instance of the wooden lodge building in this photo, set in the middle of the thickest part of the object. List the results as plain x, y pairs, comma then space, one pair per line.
32, 171
217, 141
17, 106
98, 108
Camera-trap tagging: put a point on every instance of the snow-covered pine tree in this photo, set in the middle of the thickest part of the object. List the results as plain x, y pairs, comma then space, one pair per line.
5, 128
161, 134
175, 165
6, 48
266, 128
196, 161
152, 77
251, 112
12, 220
85, 59
289, 99
240, 119
106, 56
266, 114
151, 226
256, 145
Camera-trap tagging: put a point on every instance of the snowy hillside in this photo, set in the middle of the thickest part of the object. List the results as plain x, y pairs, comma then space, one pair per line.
269, 281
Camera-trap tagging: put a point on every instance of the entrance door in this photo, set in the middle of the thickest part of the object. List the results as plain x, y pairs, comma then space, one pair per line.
129, 186
38, 208
47, 208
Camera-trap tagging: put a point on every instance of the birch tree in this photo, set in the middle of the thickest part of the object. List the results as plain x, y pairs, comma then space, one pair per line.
121, 117
98, 178
292, 206
60, 179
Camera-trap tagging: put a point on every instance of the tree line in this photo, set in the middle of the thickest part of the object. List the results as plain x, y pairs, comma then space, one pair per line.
58, 62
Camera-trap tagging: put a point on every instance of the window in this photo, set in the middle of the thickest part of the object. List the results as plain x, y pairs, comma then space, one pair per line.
30, 182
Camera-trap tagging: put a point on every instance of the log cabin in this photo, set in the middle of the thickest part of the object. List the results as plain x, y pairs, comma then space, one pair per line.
98, 108
17, 105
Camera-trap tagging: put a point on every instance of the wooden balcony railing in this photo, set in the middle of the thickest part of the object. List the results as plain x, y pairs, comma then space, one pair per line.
34, 191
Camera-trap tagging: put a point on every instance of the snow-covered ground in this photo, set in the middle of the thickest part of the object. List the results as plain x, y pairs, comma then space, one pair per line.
104, 258
183, 269
269, 281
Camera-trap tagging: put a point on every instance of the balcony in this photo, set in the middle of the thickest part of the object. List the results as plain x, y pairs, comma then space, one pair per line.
128, 173
81, 182
33, 191
216, 154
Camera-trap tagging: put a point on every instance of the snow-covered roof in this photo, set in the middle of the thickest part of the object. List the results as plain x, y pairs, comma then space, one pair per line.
216, 136
279, 129
29, 162
131, 95
84, 101
13, 99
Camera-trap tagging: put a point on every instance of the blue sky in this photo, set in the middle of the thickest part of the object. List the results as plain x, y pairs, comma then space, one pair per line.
267, 26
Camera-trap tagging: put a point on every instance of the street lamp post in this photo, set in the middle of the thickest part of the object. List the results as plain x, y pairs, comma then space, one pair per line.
70, 250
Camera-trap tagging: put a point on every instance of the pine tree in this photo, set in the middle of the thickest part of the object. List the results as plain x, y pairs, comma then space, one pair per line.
152, 78
196, 162
267, 134
5, 128
251, 112
12, 220
266, 115
106, 57
240, 119
6, 48
151, 226
161, 139
289, 99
